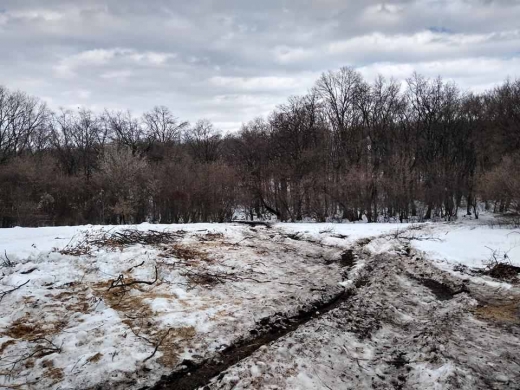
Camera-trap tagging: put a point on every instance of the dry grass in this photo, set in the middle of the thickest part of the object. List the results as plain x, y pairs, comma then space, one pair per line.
28, 328
212, 237
60, 306
95, 358
53, 373
172, 345
187, 253
508, 313
74, 301
137, 315
6, 345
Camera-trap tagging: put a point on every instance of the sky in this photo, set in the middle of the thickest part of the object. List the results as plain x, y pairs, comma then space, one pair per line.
230, 61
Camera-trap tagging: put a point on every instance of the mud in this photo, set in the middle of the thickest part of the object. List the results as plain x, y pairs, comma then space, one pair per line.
441, 291
195, 375
269, 329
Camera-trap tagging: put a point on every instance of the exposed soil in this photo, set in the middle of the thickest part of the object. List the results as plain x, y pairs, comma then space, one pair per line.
195, 375
440, 290
347, 258
407, 326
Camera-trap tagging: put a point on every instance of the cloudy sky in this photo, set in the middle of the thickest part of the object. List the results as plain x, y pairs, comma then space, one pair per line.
232, 60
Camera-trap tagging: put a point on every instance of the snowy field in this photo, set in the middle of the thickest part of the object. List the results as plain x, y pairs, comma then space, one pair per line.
91, 308
470, 244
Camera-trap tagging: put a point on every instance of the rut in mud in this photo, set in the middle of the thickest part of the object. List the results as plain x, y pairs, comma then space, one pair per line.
407, 326
269, 329
267, 307
197, 375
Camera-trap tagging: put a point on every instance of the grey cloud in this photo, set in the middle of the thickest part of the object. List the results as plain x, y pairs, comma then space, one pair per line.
231, 60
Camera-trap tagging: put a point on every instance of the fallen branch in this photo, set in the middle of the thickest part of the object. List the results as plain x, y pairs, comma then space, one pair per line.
7, 261
28, 271
411, 234
135, 266
120, 283
157, 345
4, 293
39, 351
255, 223
215, 277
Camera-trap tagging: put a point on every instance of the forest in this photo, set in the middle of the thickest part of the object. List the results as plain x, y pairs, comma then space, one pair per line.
350, 149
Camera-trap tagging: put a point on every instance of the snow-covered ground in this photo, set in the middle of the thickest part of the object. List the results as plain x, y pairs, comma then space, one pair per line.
470, 244
408, 325
66, 327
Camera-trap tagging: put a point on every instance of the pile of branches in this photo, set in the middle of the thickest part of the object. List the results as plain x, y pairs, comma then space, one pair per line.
503, 271
208, 277
129, 237
119, 240
500, 266
411, 233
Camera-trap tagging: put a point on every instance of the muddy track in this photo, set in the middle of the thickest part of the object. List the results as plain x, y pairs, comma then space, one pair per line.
269, 329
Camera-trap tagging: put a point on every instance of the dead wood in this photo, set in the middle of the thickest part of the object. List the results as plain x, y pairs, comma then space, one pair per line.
135, 266
4, 293
7, 261
29, 271
119, 240
120, 283
157, 345
206, 277
255, 223
43, 348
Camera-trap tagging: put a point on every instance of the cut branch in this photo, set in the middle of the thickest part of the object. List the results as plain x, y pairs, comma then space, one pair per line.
157, 346
120, 283
4, 293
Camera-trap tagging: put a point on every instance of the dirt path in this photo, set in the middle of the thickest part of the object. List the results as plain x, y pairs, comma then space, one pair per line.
403, 324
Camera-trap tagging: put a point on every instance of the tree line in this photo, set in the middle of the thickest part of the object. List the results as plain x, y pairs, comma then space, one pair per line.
347, 150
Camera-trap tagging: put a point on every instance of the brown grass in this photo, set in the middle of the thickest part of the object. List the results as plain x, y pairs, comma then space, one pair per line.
184, 252
27, 328
6, 345
62, 305
51, 372
74, 301
138, 316
95, 358
213, 236
508, 313
171, 345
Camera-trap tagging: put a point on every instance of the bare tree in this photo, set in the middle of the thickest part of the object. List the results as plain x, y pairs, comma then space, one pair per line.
162, 126
126, 131
21, 116
204, 141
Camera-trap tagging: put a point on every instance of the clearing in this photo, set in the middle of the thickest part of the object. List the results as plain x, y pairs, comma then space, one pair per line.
283, 306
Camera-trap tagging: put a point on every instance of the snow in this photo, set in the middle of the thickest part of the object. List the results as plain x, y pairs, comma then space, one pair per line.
87, 336
329, 232
393, 333
470, 244
103, 338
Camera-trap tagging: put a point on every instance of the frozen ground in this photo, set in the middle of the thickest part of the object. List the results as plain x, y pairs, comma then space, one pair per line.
407, 325
213, 285
470, 244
